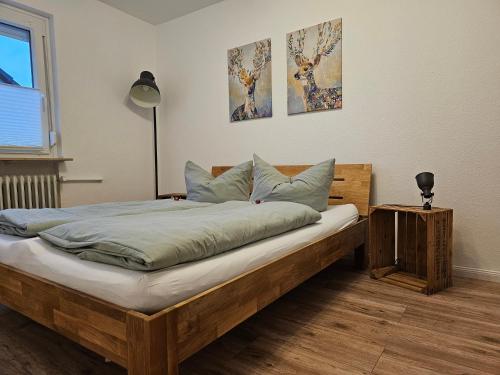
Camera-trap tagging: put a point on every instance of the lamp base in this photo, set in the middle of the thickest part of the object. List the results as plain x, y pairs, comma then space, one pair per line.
427, 201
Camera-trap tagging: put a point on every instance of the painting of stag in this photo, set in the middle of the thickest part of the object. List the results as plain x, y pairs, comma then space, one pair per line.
314, 68
249, 70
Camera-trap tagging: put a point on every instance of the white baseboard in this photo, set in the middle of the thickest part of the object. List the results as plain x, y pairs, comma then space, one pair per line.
477, 273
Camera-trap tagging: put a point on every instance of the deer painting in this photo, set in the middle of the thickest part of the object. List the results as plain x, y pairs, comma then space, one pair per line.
245, 67
324, 46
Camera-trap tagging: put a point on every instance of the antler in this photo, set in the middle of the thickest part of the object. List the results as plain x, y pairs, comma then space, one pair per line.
235, 63
328, 37
297, 51
262, 57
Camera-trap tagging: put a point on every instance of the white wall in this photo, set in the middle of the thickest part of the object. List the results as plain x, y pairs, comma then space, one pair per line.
421, 89
100, 51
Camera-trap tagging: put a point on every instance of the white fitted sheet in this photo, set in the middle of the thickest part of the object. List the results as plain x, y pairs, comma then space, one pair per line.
152, 291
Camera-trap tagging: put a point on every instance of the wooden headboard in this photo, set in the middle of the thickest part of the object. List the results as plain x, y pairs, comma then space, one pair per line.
352, 183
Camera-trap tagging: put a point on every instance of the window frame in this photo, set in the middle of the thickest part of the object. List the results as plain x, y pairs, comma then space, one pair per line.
41, 58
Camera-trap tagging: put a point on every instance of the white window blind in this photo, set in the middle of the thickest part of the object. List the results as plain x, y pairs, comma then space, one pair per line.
20, 117
14, 32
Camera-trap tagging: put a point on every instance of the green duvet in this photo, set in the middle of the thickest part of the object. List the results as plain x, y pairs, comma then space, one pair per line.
28, 222
156, 240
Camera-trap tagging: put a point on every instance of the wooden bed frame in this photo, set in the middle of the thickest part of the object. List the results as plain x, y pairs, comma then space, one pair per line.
156, 344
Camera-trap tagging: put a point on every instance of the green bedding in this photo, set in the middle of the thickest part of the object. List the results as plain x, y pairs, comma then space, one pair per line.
156, 240
28, 222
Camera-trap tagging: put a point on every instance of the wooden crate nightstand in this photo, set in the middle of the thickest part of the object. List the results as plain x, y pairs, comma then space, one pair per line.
411, 247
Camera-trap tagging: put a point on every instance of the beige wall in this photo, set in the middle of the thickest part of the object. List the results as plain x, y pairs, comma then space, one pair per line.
421, 85
100, 51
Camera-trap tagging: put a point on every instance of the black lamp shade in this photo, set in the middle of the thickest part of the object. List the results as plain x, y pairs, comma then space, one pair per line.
425, 182
144, 91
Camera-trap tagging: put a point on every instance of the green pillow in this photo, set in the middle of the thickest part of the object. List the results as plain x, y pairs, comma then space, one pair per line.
311, 187
232, 185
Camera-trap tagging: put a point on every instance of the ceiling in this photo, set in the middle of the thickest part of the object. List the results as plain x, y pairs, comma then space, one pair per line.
159, 11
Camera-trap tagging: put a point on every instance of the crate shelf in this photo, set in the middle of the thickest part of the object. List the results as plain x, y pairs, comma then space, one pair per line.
411, 247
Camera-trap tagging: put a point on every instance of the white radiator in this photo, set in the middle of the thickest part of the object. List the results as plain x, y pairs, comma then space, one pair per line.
29, 191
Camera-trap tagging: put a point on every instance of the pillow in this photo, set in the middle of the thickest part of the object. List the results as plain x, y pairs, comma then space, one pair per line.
311, 187
232, 185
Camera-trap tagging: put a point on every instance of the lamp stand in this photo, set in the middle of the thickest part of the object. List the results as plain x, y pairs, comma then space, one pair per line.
156, 152
427, 202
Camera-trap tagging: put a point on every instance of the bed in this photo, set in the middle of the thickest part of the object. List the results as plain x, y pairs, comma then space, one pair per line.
150, 322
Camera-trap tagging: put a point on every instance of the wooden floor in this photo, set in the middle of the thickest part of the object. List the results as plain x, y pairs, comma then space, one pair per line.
339, 322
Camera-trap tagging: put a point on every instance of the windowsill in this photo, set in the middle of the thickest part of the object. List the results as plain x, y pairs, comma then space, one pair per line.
32, 158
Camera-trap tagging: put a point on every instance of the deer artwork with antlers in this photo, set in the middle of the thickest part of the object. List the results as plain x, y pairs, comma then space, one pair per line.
325, 39
243, 85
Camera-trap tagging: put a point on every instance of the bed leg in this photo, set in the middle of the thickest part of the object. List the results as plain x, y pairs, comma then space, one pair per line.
361, 257
361, 253
151, 345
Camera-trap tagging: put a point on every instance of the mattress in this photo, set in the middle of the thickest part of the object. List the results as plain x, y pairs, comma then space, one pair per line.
150, 292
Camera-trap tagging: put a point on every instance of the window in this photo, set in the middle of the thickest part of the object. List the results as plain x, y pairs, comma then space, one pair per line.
26, 101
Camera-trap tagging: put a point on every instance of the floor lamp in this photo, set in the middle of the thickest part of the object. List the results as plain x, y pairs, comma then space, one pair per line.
146, 94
